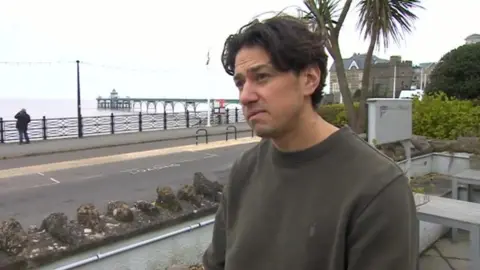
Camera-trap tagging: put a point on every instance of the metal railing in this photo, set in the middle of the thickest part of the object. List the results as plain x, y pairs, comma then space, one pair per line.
51, 128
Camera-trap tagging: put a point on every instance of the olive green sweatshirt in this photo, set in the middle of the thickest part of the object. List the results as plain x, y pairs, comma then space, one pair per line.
340, 204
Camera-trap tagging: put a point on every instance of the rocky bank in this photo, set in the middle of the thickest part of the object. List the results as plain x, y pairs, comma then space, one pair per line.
423, 145
28, 248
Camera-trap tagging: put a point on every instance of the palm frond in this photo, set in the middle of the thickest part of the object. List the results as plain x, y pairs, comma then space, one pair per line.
386, 19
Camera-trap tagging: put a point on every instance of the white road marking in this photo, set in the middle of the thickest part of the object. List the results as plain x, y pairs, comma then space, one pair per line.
42, 185
154, 168
91, 176
54, 180
41, 174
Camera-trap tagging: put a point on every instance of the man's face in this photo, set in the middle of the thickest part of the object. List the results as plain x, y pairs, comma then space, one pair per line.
271, 100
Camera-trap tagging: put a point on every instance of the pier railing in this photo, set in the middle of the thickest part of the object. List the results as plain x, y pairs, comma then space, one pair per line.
51, 128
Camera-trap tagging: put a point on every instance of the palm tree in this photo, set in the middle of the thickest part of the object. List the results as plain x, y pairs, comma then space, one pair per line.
326, 18
379, 20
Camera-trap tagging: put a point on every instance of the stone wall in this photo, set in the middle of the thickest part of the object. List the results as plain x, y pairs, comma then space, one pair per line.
57, 237
423, 145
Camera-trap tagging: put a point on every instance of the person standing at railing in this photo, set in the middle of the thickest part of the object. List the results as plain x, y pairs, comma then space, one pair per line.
23, 119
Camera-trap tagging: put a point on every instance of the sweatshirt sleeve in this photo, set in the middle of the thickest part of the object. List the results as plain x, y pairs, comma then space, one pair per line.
214, 256
385, 235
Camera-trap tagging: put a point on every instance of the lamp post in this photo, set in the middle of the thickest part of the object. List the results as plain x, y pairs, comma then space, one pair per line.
209, 109
79, 103
394, 79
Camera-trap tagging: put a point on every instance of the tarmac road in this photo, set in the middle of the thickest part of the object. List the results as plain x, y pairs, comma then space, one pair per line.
31, 197
104, 151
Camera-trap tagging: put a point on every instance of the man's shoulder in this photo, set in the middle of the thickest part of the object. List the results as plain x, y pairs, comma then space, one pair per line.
368, 160
372, 171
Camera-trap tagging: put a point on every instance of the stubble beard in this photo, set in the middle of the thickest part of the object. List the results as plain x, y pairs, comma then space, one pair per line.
263, 130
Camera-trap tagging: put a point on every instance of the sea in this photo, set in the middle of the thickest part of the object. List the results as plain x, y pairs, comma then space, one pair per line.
63, 108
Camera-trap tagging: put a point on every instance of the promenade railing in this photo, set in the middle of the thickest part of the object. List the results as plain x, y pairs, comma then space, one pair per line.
51, 128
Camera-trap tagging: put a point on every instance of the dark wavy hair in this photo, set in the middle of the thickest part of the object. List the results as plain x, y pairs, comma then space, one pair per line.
290, 43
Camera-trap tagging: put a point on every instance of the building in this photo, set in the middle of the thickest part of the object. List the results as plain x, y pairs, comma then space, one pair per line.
393, 74
354, 71
421, 75
474, 38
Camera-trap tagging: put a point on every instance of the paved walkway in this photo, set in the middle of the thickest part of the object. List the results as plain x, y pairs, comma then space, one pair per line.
12, 150
445, 255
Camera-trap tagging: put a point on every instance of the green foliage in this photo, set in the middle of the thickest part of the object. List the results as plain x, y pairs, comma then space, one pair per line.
334, 114
439, 116
435, 116
457, 74
417, 189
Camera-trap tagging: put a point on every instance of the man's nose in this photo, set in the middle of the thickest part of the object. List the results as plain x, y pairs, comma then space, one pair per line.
248, 94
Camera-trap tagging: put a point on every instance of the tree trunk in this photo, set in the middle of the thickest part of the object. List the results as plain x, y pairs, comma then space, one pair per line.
343, 83
362, 107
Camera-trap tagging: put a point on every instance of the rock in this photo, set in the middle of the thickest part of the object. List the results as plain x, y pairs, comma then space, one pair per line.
57, 225
88, 216
120, 211
421, 144
187, 193
441, 145
13, 239
167, 199
33, 229
206, 188
467, 145
147, 208
123, 214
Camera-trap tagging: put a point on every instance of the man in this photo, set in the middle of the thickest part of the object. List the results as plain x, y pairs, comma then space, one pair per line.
23, 118
309, 195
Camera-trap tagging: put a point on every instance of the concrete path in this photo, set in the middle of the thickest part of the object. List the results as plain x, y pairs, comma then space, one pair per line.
446, 255
12, 150
30, 193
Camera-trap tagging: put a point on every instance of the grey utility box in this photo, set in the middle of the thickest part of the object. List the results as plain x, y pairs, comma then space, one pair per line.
389, 120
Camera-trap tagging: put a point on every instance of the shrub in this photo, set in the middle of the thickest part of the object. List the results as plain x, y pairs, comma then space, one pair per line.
435, 116
438, 116
334, 114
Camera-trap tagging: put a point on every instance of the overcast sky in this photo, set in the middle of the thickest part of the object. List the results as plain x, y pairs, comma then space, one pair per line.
158, 48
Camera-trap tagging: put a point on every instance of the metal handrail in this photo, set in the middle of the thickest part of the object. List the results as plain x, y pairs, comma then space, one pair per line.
227, 131
100, 256
196, 135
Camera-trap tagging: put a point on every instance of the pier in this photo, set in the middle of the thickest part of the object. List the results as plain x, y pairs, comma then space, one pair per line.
114, 102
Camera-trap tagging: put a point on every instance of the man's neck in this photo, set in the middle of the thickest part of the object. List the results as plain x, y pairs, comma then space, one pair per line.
311, 130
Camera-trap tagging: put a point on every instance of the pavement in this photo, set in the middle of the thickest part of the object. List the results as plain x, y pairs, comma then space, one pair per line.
33, 187
447, 255
13, 150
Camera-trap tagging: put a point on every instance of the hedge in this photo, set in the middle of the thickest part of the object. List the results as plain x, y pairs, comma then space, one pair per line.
435, 116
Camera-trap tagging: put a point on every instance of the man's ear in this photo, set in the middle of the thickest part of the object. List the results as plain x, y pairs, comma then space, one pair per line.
311, 80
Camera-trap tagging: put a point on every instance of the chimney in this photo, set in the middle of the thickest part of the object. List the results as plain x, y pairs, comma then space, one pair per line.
395, 59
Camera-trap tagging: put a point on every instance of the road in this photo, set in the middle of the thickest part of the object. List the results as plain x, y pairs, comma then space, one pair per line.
57, 157
31, 196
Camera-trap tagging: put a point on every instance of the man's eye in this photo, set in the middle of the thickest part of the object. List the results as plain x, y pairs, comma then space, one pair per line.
239, 84
261, 76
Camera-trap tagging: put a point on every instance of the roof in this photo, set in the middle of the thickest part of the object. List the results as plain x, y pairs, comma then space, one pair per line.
357, 60
473, 36
426, 65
